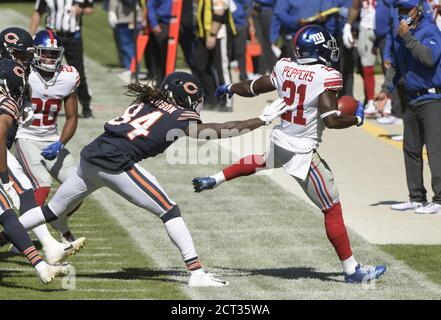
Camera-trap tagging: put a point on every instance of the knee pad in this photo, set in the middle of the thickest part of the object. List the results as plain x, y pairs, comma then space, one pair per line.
171, 214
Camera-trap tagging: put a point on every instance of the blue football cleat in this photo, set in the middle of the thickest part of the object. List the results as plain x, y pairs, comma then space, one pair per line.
364, 274
204, 183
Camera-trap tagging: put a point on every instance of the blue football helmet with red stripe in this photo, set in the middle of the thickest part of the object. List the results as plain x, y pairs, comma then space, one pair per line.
314, 44
48, 51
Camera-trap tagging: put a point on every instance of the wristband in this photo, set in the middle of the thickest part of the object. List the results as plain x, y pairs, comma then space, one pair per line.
251, 87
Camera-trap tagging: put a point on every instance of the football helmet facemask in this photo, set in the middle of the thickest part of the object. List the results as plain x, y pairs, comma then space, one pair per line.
16, 44
48, 51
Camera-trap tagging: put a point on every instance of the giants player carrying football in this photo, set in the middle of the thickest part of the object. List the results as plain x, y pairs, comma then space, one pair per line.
17, 44
38, 146
309, 86
147, 128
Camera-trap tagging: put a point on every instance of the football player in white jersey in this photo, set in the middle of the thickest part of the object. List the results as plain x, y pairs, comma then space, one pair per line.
309, 85
38, 146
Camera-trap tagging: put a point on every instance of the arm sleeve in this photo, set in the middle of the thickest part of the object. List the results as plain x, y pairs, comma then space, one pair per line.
9, 107
390, 80
387, 54
427, 52
151, 13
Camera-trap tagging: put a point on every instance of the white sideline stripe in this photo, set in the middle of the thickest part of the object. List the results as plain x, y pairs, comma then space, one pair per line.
113, 290
100, 254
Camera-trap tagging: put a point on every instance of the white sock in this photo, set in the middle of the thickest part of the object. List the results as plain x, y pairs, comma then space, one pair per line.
198, 271
43, 235
180, 235
349, 265
41, 266
219, 177
32, 218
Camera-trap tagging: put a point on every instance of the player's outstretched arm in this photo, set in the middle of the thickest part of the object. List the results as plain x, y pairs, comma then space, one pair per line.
70, 126
333, 118
235, 128
247, 88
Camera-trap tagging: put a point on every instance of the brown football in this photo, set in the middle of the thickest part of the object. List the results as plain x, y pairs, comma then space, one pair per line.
348, 105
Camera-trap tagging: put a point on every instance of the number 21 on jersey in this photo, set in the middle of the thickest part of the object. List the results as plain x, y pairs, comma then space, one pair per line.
290, 88
140, 125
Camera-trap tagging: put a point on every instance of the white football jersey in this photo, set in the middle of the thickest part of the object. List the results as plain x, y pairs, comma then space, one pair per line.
300, 86
367, 14
47, 101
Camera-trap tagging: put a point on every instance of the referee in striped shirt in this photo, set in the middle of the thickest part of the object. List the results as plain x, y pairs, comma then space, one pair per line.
64, 18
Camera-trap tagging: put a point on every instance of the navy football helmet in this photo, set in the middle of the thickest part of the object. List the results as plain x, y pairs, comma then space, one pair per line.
314, 44
12, 79
16, 44
184, 89
48, 51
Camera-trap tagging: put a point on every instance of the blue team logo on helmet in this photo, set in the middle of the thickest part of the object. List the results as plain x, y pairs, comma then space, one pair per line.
48, 51
314, 44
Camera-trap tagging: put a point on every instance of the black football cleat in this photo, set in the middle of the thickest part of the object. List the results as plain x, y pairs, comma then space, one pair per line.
204, 183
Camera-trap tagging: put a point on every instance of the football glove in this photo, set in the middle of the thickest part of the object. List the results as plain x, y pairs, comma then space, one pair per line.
360, 113
272, 111
12, 194
224, 90
28, 116
112, 18
52, 151
348, 39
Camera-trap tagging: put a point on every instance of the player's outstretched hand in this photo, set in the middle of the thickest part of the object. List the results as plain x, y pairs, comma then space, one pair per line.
52, 151
348, 40
360, 113
272, 111
224, 90
28, 116
12, 194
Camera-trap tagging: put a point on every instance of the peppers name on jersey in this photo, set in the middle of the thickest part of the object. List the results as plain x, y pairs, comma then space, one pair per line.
47, 101
300, 86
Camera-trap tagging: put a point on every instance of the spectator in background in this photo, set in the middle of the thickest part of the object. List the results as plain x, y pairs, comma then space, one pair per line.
244, 24
64, 17
349, 59
294, 14
365, 11
121, 18
158, 18
262, 15
214, 20
384, 26
187, 33
416, 57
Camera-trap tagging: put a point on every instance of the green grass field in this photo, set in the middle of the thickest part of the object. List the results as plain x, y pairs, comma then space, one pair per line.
267, 248
110, 266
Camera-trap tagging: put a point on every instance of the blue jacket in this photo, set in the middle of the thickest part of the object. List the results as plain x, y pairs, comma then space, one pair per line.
382, 18
158, 10
289, 12
393, 26
242, 12
417, 75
